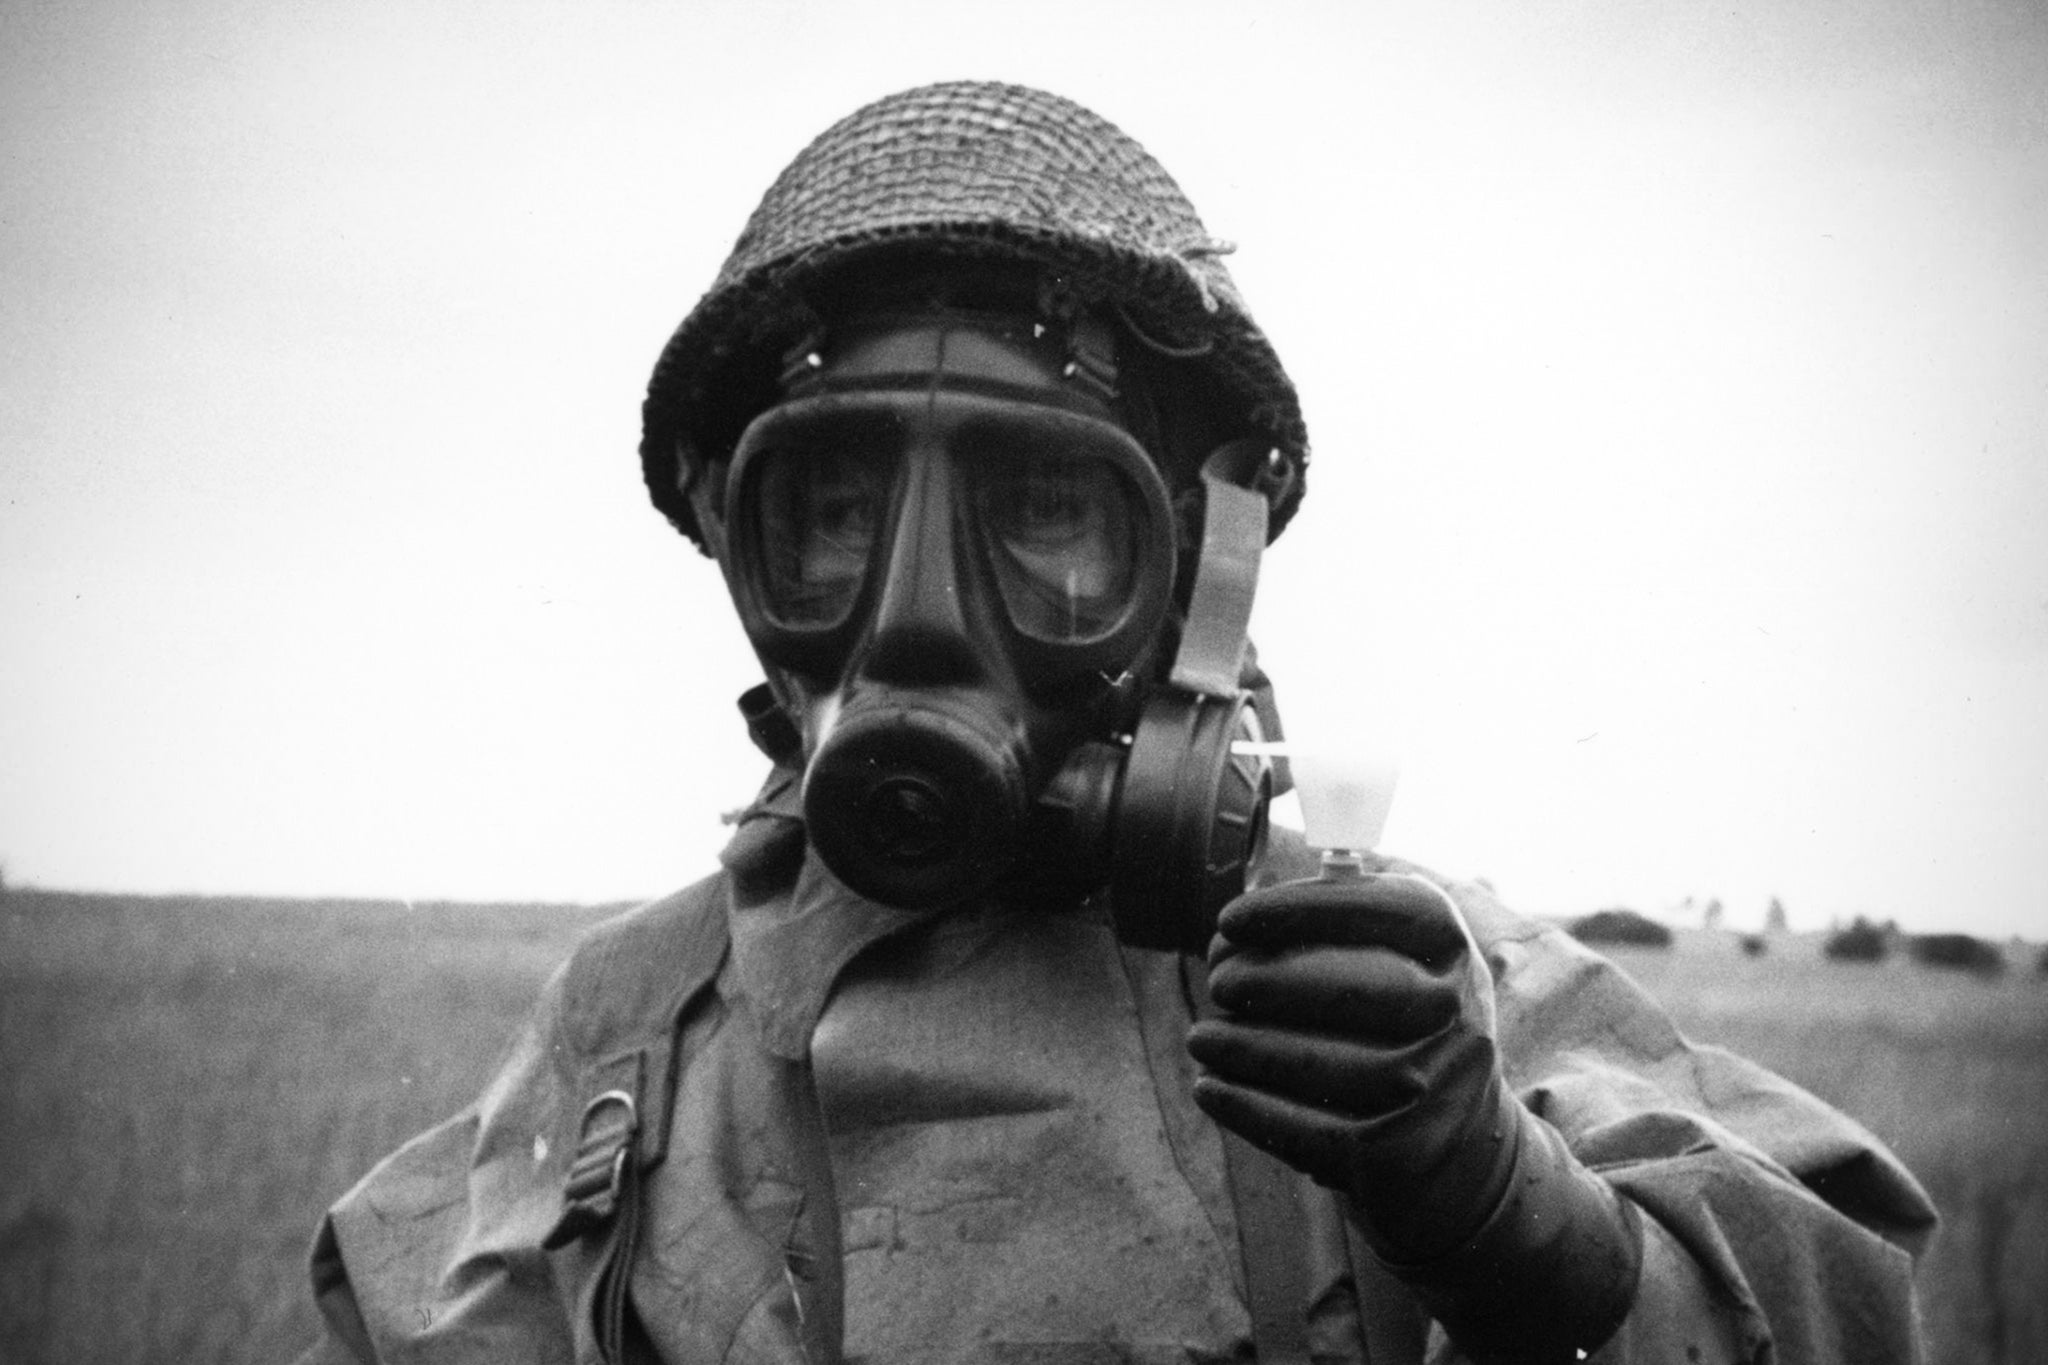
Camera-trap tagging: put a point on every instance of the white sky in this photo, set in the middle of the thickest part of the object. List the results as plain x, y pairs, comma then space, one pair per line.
1678, 377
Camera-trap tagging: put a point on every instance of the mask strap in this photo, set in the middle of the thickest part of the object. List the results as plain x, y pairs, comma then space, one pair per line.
1211, 656
702, 483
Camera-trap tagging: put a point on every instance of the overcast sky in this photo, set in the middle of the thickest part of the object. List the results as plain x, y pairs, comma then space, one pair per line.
1678, 378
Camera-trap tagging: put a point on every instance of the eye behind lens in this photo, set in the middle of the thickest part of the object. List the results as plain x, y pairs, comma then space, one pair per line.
1065, 540
817, 516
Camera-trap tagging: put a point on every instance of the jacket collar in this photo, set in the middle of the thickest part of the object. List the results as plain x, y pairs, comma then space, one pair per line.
794, 926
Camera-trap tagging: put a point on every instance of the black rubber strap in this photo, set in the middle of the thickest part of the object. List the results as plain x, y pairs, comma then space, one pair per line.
612, 1312
622, 1134
1393, 1324
1271, 1235
1211, 655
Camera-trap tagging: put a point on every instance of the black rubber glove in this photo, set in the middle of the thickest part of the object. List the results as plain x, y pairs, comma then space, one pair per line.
1356, 1043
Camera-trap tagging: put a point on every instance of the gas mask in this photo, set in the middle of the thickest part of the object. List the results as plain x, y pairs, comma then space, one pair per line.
959, 568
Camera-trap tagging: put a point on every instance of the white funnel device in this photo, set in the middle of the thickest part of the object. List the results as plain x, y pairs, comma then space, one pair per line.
1345, 797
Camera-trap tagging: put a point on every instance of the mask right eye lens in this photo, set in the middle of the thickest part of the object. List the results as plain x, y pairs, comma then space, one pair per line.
820, 513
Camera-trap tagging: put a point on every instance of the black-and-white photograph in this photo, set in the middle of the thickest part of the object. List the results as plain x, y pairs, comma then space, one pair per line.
898, 683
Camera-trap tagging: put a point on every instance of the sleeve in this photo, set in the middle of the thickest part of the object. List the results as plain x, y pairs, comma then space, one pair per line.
463, 1245
435, 1254
1775, 1227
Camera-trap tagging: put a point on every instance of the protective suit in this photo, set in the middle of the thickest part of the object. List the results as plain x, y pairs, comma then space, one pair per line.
1009, 1031
991, 1154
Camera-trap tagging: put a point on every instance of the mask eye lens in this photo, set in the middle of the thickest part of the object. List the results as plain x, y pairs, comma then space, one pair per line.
820, 514
1062, 531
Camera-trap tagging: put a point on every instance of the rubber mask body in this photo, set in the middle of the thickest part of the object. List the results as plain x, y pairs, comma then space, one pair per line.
946, 554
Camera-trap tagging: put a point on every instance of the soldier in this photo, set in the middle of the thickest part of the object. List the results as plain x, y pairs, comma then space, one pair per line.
1008, 1031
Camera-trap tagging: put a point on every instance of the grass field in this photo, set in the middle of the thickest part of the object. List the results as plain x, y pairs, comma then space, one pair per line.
189, 1082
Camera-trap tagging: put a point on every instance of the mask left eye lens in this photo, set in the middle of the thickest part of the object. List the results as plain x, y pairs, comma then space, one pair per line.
820, 513
1062, 532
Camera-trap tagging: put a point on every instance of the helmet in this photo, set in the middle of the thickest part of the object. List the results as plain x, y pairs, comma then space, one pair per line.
975, 171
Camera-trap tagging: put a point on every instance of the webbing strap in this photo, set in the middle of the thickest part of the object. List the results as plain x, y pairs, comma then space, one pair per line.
1272, 1236
623, 1129
600, 1171
618, 1278
1394, 1325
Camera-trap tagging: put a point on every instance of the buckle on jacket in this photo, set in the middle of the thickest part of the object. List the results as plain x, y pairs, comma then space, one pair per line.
596, 1183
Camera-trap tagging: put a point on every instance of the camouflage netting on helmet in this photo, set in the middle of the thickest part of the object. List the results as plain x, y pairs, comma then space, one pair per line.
976, 171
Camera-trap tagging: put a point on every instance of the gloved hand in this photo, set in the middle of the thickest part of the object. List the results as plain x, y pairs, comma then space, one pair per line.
1356, 1043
